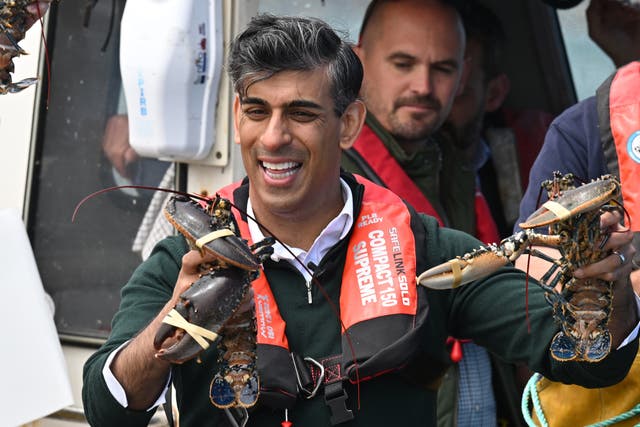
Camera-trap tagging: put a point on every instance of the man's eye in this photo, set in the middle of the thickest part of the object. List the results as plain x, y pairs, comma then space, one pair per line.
302, 115
404, 66
255, 113
445, 69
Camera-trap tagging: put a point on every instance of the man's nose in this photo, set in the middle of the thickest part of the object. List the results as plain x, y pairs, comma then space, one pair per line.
277, 132
421, 81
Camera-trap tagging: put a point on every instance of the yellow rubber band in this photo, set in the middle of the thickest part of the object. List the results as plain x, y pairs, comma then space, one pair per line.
223, 232
559, 210
457, 273
197, 333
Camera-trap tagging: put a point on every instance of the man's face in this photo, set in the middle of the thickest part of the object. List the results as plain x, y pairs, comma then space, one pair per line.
291, 141
412, 54
469, 107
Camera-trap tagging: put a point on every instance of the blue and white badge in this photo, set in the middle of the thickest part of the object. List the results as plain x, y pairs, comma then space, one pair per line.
633, 146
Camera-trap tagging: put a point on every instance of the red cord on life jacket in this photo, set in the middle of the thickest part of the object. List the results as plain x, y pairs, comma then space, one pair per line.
456, 348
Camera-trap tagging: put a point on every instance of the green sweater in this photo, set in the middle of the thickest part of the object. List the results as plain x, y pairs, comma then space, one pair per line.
491, 312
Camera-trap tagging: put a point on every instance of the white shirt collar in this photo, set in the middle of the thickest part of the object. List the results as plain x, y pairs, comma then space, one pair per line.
336, 230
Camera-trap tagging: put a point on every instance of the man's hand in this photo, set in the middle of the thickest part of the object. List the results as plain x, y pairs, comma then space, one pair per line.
115, 144
616, 268
141, 374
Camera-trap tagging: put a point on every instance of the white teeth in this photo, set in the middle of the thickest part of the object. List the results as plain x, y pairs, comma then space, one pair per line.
280, 175
280, 170
279, 166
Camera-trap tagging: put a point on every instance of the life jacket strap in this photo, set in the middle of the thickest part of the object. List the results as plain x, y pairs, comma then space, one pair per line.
327, 373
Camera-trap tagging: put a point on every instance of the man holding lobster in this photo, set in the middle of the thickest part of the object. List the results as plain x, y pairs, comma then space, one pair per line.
344, 333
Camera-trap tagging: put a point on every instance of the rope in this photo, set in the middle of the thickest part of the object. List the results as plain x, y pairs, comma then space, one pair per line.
531, 394
635, 411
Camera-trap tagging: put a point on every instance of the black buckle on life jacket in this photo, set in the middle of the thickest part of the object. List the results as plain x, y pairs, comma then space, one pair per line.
335, 397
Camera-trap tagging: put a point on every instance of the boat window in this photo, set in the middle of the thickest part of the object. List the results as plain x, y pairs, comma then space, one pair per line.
83, 264
590, 66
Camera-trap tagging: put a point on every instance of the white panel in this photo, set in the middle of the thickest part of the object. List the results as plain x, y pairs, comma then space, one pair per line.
34, 381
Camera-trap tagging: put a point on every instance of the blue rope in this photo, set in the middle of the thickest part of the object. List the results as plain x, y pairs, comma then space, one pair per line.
531, 394
635, 411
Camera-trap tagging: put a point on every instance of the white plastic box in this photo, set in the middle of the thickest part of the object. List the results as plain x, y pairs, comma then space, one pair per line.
171, 61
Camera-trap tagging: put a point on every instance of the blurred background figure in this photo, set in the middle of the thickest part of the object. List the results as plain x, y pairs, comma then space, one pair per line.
413, 57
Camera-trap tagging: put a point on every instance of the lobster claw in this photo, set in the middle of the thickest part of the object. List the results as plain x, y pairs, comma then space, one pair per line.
210, 233
574, 201
462, 270
202, 312
475, 265
210, 302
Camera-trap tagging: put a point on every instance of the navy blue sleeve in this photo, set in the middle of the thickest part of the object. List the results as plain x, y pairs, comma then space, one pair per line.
572, 144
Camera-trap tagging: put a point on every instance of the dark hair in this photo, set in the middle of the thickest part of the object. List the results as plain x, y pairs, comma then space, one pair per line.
271, 44
482, 25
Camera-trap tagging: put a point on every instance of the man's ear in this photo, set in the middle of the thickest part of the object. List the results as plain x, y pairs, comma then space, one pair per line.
358, 50
351, 123
497, 91
236, 119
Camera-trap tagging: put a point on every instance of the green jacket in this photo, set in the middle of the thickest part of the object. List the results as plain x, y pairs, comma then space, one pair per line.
491, 312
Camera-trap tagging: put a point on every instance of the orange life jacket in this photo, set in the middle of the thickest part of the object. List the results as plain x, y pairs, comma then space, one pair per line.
618, 103
378, 284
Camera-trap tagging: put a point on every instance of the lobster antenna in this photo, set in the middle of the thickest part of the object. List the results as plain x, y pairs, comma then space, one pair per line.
326, 296
140, 187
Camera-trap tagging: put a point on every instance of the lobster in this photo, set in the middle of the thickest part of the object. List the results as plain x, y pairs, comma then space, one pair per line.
208, 309
582, 307
16, 16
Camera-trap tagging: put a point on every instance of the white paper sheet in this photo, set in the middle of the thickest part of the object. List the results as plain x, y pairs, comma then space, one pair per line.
33, 374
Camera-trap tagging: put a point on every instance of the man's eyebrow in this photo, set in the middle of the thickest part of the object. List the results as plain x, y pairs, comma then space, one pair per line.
250, 100
401, 55
293, 104
305, 104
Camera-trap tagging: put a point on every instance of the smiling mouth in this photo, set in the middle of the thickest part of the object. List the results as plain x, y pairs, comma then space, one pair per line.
280, 170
